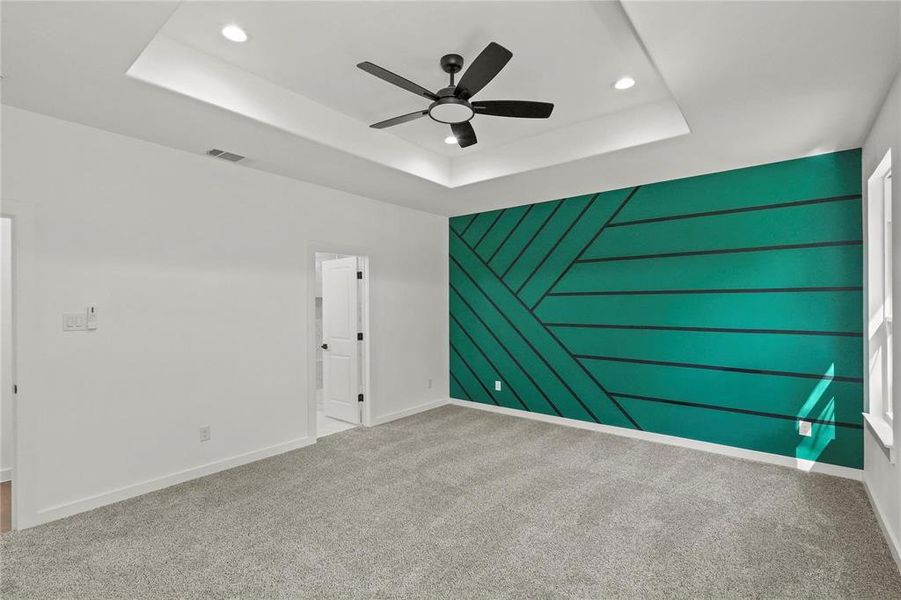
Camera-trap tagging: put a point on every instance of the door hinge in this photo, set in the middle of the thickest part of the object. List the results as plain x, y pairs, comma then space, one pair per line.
360, 336
359, 397
359, 274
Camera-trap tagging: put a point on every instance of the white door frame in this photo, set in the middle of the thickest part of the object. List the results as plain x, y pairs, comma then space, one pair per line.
365, 265
21, 215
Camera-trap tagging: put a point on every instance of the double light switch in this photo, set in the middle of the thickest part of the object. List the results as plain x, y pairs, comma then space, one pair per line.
80, 321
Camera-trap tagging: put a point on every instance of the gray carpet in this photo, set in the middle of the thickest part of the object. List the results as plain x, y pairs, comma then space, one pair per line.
459, 503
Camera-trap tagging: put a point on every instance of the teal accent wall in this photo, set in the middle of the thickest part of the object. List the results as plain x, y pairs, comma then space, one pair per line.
721, 308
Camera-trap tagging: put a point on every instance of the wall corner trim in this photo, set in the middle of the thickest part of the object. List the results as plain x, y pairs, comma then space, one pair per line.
800, 464
893, 545
67, 509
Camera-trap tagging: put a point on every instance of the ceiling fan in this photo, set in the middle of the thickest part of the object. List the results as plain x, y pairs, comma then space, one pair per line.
451, 105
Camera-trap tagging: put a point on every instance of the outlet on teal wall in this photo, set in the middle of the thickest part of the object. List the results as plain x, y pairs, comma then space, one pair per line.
721, 308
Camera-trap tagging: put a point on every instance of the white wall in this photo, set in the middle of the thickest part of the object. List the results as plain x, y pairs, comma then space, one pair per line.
883, 479
6, 400
200, 270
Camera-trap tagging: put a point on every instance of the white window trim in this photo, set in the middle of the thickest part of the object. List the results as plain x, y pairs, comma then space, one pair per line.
879, 406
882, 429
888, 292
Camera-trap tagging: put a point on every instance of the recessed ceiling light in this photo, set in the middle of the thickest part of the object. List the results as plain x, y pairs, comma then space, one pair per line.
234, 33
450, 140
624, 83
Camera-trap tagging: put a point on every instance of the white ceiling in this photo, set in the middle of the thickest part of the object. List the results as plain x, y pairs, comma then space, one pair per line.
326, 99
756, 82
313, 48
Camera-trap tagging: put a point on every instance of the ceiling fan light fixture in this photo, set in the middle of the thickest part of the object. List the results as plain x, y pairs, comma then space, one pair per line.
451, 105
233, 33
451, 110
624, 83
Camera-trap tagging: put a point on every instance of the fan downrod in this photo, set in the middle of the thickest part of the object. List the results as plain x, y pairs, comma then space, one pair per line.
452, 64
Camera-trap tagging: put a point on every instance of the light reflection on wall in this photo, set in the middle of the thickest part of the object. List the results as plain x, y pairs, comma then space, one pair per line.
820, 406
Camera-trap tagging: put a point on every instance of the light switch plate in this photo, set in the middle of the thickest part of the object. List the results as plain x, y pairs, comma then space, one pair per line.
497, 386
804, 428
75, 321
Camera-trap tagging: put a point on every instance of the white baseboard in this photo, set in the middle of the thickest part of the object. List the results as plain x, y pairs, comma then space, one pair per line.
151, 485
765, 457
407, 412
893, 545
60, 511
6, 474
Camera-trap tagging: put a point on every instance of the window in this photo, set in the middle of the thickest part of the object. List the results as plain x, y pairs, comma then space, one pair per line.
887, 291
880, 334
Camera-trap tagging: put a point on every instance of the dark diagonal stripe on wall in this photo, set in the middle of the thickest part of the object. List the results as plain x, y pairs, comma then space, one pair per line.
550, 334
526, 245
729, 211
565, 233
708, 329
734, 410
665, 363
524, 338
468, 225
587, 245
516, 225
721, 251
460, 385
474, 374
852, 288
490, 227
512, 355
488, 360
460, 223
571, 246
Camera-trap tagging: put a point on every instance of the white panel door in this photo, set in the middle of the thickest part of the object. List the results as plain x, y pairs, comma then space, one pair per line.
340, 356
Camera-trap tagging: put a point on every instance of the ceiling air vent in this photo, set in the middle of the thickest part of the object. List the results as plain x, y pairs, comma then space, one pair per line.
229, 156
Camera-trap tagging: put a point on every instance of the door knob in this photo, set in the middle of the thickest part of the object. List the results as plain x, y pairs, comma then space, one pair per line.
324, 346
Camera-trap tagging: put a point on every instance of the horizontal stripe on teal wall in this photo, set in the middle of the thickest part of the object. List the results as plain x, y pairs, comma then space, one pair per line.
721, 308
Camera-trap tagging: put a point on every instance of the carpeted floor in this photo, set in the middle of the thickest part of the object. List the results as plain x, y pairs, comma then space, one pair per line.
459, 503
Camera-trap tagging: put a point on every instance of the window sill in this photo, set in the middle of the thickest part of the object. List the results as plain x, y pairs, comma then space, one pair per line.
882, 429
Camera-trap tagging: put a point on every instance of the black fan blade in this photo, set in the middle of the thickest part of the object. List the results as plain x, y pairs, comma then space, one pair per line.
398, 120
522, 109
482, 70
465, 134
396, 80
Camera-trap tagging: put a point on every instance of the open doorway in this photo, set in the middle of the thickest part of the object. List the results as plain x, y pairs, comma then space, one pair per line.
340, 301
7, 386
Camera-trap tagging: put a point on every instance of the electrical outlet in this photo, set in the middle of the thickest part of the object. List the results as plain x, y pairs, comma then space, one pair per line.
804, 428
205, 433
497, 386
